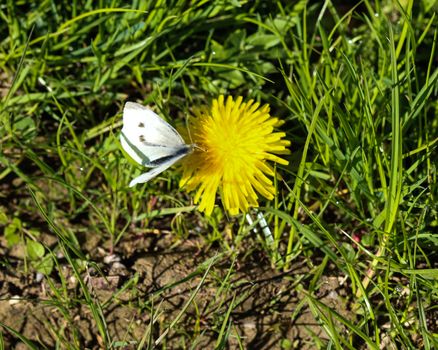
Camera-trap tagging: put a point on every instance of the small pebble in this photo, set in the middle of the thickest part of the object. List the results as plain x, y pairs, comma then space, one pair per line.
39, 277
15, 299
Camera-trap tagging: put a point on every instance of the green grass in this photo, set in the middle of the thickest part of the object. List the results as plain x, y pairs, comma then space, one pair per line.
357, 87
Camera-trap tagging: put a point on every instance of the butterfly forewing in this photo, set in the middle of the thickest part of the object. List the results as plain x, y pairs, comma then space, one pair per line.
141, 121
146, 137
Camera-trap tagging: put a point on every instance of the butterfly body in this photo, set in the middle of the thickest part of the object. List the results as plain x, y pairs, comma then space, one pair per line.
150, 141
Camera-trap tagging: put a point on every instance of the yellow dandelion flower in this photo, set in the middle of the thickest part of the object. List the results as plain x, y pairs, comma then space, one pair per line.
234, 142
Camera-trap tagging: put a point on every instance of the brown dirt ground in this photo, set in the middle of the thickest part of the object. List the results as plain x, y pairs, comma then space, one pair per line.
264, 316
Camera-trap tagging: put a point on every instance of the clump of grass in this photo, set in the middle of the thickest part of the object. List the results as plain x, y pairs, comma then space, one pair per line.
357, 88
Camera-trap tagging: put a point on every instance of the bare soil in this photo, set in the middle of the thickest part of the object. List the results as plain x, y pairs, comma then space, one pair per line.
148, 275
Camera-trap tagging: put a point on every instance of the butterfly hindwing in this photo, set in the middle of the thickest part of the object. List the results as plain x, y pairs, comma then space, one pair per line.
145, 177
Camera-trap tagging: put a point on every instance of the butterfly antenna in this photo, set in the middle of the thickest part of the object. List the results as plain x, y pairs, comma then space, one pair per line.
194, 145
188, 129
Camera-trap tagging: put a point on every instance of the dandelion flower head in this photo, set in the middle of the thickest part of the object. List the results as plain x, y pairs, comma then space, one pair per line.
234, 142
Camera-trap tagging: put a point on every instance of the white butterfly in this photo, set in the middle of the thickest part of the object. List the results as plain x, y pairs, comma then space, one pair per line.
150, 141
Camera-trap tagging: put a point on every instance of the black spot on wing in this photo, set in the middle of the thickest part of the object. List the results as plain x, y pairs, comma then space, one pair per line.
141, 125
142, 139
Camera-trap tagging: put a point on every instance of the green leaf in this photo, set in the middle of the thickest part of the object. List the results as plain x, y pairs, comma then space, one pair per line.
265, 40
45, 266
3, 217
35, 249
12, 233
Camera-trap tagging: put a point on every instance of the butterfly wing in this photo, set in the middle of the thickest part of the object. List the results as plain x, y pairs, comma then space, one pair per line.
147, 138
145, 177
150, 141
